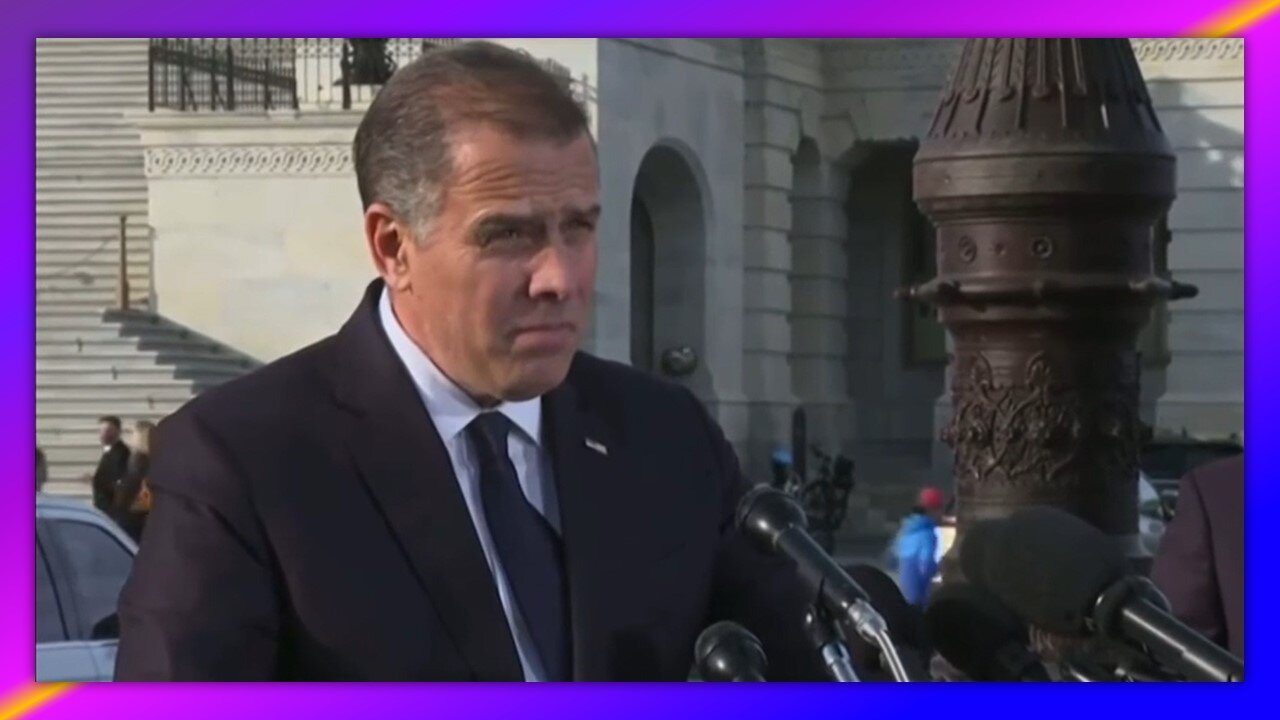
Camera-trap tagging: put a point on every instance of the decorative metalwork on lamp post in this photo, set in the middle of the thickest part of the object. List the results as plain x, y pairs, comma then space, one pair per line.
1044, 171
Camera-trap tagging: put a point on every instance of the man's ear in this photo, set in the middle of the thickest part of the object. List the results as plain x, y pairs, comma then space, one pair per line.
388, 239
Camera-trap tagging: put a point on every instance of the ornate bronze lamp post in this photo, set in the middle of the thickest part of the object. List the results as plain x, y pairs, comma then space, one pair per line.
1044, 171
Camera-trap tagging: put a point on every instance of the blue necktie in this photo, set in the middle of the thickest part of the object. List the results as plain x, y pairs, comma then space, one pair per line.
530, 549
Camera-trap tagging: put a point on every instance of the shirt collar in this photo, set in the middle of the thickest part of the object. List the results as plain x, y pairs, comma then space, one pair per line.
450, 408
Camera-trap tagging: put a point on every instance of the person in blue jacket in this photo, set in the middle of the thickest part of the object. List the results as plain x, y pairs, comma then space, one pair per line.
916, 546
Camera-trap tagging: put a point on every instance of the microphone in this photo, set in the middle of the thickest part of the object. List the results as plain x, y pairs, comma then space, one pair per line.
776, 524
1063, 575
980, 636
728, 652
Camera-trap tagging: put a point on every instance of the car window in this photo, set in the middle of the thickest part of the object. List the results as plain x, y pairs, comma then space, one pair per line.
49, 625
98, 566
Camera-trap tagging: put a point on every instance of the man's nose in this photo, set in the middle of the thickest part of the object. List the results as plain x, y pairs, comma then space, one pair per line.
552, 275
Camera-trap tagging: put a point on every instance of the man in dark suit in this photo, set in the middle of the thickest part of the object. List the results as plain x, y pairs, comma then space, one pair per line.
112, 463
447, 489
1200, 565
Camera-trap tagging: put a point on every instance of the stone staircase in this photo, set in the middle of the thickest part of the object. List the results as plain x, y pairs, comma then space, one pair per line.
92, 359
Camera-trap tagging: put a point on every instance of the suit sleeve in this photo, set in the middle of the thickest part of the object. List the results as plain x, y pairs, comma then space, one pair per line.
1183, 568
131, 484
200, 603
762, 593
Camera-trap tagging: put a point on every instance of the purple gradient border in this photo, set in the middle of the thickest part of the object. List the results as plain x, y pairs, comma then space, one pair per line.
664, 18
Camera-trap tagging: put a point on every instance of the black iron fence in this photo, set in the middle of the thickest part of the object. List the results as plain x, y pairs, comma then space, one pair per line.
277, 73
194, 74
348, 72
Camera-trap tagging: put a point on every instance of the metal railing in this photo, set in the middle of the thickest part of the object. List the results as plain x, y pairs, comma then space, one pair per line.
195, 74
348, 72
227, 74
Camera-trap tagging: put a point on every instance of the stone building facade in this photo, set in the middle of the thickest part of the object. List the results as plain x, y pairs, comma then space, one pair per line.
757, 209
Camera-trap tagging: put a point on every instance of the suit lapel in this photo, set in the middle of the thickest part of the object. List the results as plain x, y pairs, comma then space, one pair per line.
403, 462
588, 482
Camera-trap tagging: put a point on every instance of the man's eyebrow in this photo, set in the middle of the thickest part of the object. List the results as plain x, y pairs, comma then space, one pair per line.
591, 212
507, 219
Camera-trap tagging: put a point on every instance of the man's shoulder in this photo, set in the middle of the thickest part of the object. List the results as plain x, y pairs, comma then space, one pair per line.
279, 388
607, 380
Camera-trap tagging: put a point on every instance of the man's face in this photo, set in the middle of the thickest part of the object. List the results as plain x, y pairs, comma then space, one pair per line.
500, 289
108, 433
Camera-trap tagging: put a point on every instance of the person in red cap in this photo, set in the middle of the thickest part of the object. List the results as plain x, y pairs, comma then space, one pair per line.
917, 544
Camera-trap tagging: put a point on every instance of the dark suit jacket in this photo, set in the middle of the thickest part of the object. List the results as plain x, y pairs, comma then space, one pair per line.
137, 469
111, 467
1200, 566
307, 524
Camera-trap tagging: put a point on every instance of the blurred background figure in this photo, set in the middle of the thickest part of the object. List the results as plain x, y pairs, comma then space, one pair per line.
132, 496
916, 546
42, 470
112, 464
1200, 565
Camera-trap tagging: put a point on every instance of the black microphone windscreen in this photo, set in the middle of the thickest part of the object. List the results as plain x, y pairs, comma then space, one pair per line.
1047, 565
764, 513
727, 651
973, 630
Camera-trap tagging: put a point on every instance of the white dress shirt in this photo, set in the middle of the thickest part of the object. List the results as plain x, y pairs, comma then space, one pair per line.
451, 411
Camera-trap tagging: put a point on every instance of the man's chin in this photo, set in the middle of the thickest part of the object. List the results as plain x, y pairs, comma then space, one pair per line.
537, 376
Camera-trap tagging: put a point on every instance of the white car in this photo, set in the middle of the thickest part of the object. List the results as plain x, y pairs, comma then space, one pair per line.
82, 561
1151, 514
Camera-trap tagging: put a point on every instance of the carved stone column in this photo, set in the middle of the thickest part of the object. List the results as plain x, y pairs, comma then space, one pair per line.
1044, 170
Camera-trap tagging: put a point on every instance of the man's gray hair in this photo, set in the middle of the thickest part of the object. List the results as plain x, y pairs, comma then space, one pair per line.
402, 147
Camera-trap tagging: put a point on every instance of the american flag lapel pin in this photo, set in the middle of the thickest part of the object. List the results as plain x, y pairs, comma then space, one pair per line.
597, 446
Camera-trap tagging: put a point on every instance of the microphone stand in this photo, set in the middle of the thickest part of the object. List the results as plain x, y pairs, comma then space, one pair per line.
835, 656
871, 626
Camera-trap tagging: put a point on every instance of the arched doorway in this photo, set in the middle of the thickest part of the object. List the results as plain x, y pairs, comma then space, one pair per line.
897, 350
642, 352
668, 260
807, 271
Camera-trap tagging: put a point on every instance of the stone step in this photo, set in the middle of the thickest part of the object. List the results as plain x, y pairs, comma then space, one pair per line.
96, 122
57, 44
99, 119
85, 321
92, 163
56, 155
45, 310
124, 58
84, 434
64, 174
106, 253
53, 147
100, 373
53, 303
60, 227
119, 345
122, 74
50, 195
116, 392
72, 461
87, 409
91, 206
85, 276
110, 331
66, 487
143, 360
122, 103
100, 94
